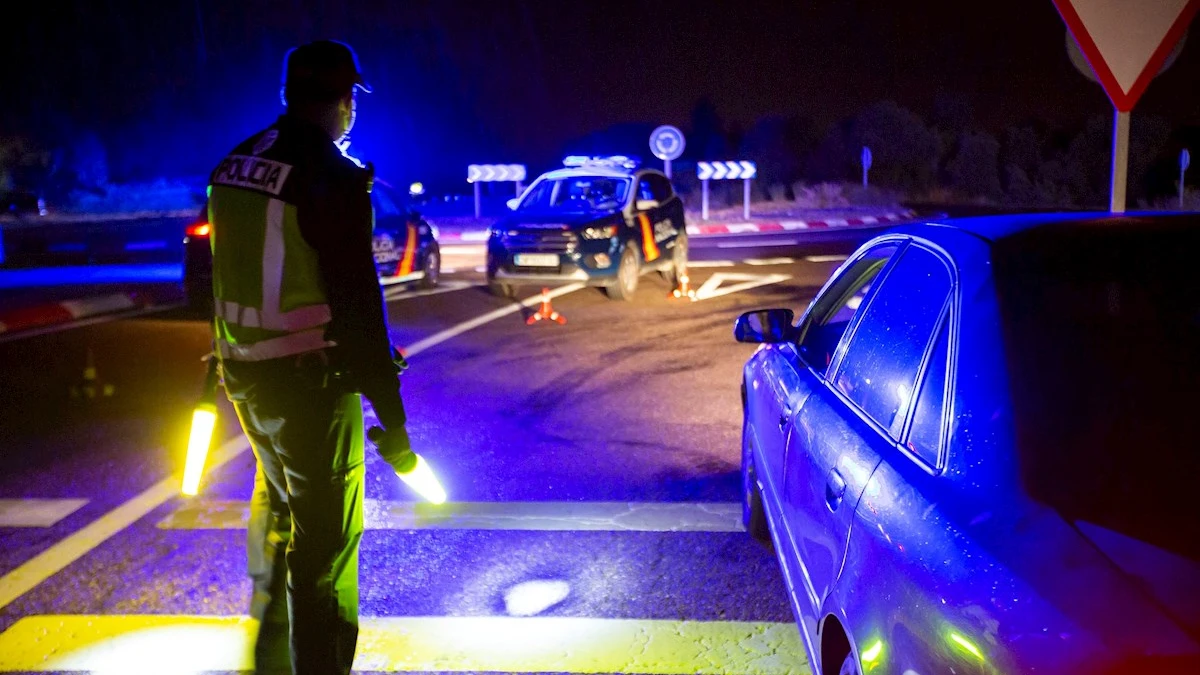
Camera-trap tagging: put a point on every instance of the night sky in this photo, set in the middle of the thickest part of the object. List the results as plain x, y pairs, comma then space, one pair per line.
170, 86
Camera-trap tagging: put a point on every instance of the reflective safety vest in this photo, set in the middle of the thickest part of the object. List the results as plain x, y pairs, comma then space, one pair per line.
269, 298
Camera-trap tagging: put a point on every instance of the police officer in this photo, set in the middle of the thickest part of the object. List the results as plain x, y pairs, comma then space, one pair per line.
300, 332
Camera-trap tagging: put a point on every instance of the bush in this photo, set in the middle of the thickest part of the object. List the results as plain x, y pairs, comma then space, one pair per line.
820, 196
778, 192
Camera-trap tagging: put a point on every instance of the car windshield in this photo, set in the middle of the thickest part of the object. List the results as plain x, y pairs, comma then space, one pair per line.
577, 194
1102, 330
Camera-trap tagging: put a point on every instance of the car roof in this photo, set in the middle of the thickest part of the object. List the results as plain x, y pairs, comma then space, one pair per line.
601, 171
995, 228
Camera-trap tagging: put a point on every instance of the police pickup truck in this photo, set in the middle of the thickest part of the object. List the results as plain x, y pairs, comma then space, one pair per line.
602, 221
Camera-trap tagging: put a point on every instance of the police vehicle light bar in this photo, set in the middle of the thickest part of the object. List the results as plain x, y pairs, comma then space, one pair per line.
613, 161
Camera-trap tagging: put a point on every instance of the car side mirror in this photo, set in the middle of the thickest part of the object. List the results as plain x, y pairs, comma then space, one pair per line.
513, 204
646, 204
765, 326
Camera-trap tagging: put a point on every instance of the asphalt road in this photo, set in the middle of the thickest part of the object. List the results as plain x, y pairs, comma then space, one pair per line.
592, 467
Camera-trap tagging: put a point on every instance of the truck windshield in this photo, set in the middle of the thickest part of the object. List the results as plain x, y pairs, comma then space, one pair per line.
1102, 332
577, 194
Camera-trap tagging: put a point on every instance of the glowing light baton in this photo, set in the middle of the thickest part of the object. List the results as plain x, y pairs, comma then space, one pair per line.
408, 465
204, 418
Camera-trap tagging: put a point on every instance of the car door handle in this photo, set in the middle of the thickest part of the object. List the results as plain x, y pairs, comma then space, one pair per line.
835, 489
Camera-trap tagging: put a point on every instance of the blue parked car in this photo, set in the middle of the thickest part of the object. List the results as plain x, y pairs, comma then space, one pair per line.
974, 452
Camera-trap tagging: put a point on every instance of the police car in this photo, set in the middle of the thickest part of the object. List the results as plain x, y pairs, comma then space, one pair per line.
602, 221
404, 245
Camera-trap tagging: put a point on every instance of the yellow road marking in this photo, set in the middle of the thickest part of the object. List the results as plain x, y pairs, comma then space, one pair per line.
36, 512
546, 516
191, 644
49, 562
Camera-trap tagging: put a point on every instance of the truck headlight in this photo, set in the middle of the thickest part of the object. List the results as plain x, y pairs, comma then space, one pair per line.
600, 232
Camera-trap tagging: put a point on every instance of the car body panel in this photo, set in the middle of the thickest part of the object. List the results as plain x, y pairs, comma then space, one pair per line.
529, 235
952, 567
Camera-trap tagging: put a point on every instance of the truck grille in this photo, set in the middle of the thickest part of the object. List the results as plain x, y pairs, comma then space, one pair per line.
539, 241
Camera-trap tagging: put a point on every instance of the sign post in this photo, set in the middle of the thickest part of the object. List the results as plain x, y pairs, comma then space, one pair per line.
707, 171
1125, 44
667, 143
493, 173
1185, 160
866, 163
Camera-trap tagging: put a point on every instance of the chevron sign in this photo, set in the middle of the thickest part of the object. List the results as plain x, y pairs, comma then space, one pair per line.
495, 173
741, 170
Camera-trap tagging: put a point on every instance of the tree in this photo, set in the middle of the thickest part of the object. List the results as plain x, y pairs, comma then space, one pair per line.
904, 150
974, 170
707, 138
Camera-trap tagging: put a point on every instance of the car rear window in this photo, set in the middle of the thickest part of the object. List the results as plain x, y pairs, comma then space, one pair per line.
1102, 337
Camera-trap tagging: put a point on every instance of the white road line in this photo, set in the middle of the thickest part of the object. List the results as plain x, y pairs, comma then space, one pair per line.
482, 269
701, 264
36, 512
757, 244
712, 288
538, 644
825, 258
398, 293
455, 331
769, 261
51, 561
535, 516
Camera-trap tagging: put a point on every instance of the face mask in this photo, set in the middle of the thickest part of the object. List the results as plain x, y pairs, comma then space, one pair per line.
348, 117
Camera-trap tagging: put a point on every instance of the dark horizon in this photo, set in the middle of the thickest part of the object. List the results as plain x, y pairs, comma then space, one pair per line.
169, 88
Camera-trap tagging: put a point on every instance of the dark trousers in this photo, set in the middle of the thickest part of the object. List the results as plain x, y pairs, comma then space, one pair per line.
306, 515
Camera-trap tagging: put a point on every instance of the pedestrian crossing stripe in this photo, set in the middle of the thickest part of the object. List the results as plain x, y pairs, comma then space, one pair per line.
544, 516
36, 512
175, 644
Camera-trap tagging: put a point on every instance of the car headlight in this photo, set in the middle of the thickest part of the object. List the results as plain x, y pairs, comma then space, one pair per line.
601, 232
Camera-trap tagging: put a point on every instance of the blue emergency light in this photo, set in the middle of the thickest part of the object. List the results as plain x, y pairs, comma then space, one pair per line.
610, 162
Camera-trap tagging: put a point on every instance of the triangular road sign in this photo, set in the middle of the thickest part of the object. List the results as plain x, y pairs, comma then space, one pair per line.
1126, 42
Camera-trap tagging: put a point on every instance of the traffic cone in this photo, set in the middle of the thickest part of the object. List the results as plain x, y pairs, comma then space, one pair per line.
90, 387
684, 290
545, 311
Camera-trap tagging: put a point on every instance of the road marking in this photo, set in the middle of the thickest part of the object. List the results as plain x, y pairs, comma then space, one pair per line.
36, 512
190, 644
699, 264
455, 331
769, 261
51, 561
758, 244
825, 258
712, 288
399, 293
542, 516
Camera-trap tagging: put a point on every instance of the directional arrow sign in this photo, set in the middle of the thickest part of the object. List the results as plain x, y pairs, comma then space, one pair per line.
749, 169
704, 170
719, 170
493, 173
1126, 43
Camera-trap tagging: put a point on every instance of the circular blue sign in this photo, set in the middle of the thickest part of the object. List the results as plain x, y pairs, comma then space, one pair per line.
666, 142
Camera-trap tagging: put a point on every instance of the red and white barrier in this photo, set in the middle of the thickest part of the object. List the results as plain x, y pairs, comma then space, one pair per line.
50, 314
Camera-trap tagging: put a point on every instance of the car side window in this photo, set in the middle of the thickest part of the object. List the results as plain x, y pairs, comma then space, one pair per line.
925, 437
660, 187
880, 366
832, 311
644, 189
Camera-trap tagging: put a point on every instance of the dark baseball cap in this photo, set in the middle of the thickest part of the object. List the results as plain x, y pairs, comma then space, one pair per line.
325, 68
